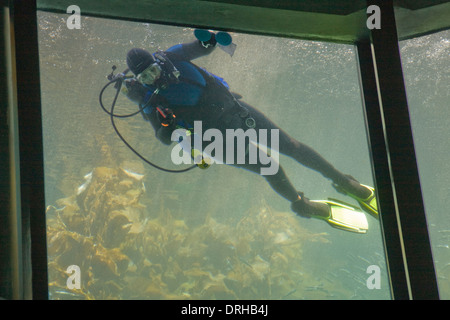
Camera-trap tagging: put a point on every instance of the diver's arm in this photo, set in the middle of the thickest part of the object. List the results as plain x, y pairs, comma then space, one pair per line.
191, 50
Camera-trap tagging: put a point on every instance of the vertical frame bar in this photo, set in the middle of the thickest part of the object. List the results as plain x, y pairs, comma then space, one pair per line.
31, 149
11, 271
5, 176
380, 163
407, 197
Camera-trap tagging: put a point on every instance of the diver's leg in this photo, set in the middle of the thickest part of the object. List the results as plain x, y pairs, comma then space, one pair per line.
307, 156
281, 184
278, 181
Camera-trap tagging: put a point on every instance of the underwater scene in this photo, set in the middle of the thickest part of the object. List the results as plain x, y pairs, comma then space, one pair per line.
135, 232
426, 69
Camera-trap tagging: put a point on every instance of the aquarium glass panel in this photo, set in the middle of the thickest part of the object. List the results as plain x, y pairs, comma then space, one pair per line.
426, 64
120, 228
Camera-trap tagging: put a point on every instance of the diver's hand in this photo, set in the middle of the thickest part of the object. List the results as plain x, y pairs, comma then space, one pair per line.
165, 116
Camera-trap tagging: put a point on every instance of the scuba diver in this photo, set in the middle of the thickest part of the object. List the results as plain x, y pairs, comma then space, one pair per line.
172, 93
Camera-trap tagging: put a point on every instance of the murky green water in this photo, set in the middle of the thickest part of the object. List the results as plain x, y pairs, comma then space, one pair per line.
426, 62
220, 233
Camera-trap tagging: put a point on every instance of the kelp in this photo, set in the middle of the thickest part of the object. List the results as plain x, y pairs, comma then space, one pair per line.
126, 250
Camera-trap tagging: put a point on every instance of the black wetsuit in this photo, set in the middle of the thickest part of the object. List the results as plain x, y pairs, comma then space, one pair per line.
202, 96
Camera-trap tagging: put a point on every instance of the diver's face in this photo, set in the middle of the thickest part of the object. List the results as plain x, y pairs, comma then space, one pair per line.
150, 75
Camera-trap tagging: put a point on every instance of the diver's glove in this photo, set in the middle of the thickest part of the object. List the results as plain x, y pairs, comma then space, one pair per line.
165, 116
134, 90
206, 37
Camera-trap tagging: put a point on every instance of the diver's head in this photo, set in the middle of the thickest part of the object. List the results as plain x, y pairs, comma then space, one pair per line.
143, 65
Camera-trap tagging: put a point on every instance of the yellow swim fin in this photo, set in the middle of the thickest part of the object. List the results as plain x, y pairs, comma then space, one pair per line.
344, 216
369, 204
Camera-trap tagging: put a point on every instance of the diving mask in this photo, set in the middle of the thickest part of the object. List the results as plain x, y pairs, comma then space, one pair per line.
150, 74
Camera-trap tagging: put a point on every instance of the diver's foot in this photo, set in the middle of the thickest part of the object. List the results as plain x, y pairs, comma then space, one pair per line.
351, 186
305, 208
369, 204
365, 195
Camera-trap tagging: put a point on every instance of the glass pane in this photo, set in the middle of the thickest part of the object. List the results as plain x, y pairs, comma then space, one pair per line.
132, 231
426, 63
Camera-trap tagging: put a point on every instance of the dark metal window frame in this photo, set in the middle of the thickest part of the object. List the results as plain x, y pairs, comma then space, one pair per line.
403, 219
32, 204
405, 230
